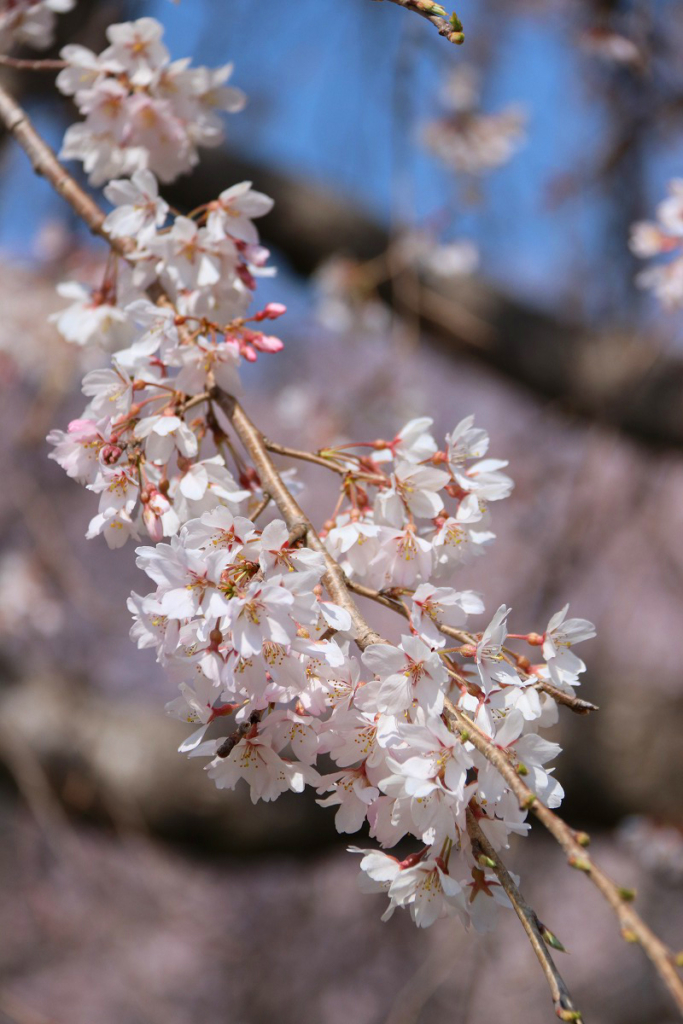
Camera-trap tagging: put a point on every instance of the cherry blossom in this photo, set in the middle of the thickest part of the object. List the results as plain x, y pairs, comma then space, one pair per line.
272, 672
30, 22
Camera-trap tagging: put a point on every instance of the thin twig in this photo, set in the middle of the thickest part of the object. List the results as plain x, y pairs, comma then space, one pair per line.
46, 164
32, 65
195, 400
575, 704
261, 507
634, 929
450, 28
564, 1007
294, 453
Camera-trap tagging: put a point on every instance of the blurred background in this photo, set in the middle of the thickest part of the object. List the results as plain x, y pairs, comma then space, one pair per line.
451, 231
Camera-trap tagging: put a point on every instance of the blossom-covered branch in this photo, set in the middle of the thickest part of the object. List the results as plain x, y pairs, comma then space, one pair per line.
293, 515
539, 936
278, 665
574, 844
450, 27
389, 600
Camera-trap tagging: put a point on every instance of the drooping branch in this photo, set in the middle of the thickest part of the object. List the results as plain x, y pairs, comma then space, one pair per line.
562, 1001
450, 28
296, 520
294, 453
634, 929
575, 704
42, 64
46, 164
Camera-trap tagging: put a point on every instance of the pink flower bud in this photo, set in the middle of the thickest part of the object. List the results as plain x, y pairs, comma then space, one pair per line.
272, 311
153, 523
267, 343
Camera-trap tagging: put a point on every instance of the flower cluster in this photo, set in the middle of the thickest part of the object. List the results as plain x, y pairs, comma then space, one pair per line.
141, 109
275, 676
136, 444
268, 666
30, 22
466, 139
665, 235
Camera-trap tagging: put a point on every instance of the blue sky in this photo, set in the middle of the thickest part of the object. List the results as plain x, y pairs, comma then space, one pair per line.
338, 91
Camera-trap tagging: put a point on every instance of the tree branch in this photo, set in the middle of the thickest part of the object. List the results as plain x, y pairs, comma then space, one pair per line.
20, 64
562, 1001
575, 704
333, 579
450, 28
294, 453
633, 928
46, 164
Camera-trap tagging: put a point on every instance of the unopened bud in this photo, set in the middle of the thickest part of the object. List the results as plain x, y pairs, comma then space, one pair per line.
430, 8
528, 802
628, 895
273, 310
582, 838
111, 453
522, 769
628, 935
580, 864
486, 862
550, 938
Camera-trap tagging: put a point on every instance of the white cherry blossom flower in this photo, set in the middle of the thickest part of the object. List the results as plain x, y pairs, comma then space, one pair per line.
433, 607
236, 208
139, 210
561, 633
428, 892
489, 657
267, 774
406, 675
